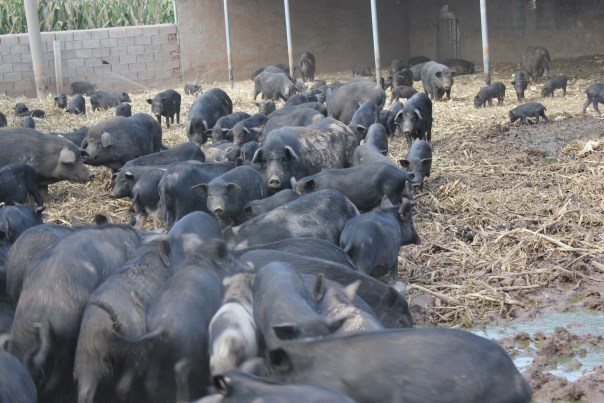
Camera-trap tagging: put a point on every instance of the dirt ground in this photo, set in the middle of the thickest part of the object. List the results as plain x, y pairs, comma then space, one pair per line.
511, 218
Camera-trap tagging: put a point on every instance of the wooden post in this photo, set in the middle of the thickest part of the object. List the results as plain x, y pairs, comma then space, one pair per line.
35, 47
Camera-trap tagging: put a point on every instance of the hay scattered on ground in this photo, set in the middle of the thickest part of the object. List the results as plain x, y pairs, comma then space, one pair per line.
500, 222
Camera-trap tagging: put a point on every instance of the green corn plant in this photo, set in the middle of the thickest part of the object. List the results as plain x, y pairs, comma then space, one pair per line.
59, 15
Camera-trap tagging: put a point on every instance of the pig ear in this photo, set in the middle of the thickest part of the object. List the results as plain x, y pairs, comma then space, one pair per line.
319, 289
405, 209
129, 175
205, 125
106, 140
291, 154
219, 247
164, 251
66, 156
56, 98
225, 130
362, 129
257, 158
201, 189
279, 360
190, 243
308, 185
233, 187
404, 163
100, 219
149, 101
39, 210
386, 203
399, 116
286, 331
391, 298
351, 290
334, 324
423, 161
245, 129
248, 209
512, 82
257, 130
222, 384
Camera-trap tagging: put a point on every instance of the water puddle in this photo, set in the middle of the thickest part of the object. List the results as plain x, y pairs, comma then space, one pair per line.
579, 322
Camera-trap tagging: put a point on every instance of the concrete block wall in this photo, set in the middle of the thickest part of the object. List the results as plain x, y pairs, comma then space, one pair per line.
144, 55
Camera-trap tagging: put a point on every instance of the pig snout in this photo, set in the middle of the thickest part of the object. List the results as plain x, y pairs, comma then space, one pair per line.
274, 182
218, 211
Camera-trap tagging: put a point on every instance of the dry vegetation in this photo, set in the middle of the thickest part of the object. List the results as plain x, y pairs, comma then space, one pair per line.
509, 217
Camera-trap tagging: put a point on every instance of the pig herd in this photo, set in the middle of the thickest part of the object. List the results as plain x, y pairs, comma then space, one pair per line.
267, 283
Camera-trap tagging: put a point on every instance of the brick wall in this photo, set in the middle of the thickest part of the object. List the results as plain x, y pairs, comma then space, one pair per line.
147, 55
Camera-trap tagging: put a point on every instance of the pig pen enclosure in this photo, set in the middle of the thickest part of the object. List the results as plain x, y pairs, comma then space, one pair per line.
511, 218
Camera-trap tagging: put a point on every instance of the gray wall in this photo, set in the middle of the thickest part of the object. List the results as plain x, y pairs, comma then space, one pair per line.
337, 32
147, 55
566, 28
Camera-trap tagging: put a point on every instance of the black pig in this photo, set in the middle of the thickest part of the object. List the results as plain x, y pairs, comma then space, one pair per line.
17, 180
595, 94
389, 228
530, 109
167, 104
520, 84
488, 92
553, 84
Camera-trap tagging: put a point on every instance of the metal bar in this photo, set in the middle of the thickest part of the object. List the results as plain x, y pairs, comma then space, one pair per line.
288, 29
376, 43
228, 41
485, 41
35, 47
56, 46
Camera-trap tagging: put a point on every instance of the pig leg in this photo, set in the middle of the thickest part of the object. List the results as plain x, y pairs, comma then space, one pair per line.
589, 101
151, 380
33, 191
178, 118
182, 370
544, 117
596, 105
394, 271
125, 383
86, 388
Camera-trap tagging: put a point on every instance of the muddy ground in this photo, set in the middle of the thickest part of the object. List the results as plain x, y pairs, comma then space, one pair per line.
511, 218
